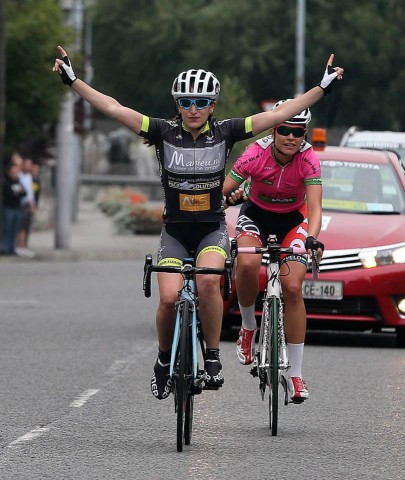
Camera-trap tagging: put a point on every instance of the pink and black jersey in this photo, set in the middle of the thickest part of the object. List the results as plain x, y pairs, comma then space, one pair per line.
272, 186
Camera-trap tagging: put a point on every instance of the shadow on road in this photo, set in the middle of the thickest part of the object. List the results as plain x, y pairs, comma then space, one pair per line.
335, 338
351, 339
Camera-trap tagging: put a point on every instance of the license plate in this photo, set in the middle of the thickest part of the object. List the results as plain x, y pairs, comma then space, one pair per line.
322, 289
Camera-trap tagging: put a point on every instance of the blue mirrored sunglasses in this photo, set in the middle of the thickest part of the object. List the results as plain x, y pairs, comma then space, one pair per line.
199, 103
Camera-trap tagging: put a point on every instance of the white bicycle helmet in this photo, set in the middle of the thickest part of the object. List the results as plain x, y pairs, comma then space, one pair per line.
302, 118
196, 83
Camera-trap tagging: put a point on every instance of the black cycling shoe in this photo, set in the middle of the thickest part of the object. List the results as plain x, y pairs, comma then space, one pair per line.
161, 384
213, 369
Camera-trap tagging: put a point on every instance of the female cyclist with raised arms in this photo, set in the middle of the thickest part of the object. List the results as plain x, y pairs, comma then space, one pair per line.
284, 198
192, 151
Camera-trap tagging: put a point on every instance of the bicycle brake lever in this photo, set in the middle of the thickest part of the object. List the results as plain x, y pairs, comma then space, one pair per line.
147, 280
228, 278
315, 265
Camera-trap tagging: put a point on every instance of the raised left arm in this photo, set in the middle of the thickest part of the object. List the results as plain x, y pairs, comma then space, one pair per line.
266, 120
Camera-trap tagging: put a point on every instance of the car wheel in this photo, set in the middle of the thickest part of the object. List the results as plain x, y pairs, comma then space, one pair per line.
401, 337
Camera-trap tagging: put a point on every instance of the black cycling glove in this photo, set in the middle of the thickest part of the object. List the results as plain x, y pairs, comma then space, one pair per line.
236, 202
68, 75
329, 78
311, 243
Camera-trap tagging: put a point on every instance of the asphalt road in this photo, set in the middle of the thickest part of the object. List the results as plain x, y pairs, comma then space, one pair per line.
77, 346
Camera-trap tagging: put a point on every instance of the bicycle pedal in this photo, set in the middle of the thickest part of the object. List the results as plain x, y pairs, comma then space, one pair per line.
253, 371
211, 387
197, 390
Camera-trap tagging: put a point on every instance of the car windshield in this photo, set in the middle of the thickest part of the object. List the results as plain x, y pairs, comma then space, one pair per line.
361, 187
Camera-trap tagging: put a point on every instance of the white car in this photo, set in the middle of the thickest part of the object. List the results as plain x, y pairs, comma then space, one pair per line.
380, 140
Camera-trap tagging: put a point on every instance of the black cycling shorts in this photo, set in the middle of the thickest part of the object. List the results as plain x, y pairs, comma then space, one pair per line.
182, 240
290, 227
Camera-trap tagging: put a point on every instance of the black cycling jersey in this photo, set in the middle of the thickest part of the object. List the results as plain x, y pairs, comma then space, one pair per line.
193, 171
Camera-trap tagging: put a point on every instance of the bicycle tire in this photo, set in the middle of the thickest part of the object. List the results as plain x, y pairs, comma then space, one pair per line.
188, 420
273, 373
262, 350
182, 381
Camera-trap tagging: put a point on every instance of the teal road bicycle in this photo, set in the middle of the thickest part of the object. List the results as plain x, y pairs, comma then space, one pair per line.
188, 343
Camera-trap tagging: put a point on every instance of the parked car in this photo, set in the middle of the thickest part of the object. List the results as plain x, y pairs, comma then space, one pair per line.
362, 275
381, 140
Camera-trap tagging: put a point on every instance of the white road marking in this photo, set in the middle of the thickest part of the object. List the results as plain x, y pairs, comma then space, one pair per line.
19, 302
116, 367
82, 399
37, 432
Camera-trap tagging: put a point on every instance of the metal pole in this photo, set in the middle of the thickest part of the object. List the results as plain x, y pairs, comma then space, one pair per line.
300, 49
2, 106
64, 140
66, 169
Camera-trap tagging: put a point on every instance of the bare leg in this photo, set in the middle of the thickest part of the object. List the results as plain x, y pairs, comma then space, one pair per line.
21, 239
247, 273
210, 299
169, 286
292, 276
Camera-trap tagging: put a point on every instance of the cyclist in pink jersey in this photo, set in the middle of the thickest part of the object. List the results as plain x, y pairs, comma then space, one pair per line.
283, 193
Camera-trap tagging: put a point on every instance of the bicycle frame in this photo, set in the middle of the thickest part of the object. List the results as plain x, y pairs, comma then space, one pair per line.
274, 292
186, 294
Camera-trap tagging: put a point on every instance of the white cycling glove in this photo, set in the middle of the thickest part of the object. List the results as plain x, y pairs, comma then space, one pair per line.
329, 78
68, 75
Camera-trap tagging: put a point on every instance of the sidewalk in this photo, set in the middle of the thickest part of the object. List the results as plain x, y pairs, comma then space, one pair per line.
92, 237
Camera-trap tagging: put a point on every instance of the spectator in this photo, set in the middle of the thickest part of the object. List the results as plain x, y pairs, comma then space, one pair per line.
36, 182
28, 210
13, 191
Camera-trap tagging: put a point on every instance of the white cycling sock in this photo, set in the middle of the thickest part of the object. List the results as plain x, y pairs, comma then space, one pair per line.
248, 317
295, 356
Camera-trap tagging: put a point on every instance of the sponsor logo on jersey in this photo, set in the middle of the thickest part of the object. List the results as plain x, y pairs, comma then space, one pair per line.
194, 160
193, 186
194, 203
284, 200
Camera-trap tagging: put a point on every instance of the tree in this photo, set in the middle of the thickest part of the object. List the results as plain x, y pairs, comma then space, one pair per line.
143, 44
367, 38
33, 30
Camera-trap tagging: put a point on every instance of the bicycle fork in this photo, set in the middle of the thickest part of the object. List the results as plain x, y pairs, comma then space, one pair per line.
262, 361
197, 375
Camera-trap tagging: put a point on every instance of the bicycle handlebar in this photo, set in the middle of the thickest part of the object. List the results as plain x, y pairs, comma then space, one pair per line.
272, 249
276, 248
187, 269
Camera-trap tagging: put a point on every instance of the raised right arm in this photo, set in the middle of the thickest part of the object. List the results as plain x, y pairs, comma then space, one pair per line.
105, 104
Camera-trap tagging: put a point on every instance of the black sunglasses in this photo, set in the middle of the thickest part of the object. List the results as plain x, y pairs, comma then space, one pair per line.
296, 131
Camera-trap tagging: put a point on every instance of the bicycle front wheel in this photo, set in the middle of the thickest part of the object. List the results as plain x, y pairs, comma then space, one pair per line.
184, 399
273, 372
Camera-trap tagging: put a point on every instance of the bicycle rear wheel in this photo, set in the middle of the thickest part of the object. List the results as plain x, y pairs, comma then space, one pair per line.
184, 406
273, 372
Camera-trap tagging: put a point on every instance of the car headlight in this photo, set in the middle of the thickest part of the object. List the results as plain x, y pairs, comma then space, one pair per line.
375, 257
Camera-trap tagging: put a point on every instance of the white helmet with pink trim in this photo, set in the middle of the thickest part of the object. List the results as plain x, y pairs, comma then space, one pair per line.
303, 118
